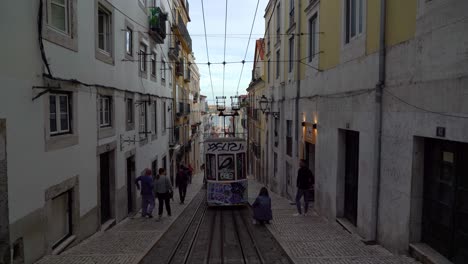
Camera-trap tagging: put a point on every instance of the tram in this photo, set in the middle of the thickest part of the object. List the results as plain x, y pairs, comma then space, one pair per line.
225, 171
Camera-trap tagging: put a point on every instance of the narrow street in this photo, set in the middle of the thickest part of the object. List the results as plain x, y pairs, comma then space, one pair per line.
305, 239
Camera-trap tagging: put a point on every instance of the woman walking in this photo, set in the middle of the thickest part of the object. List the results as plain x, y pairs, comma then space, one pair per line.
163, 190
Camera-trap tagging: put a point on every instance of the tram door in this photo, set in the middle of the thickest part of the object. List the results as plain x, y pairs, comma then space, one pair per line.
445, 205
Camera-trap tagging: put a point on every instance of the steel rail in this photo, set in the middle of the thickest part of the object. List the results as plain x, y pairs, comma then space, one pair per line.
249, 231
187, 228
236, 228
195, 236
210, 243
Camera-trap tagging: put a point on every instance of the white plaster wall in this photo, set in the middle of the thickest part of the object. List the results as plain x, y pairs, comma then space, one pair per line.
31, 169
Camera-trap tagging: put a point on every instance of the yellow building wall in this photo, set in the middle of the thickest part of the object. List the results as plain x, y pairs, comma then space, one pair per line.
400, 23
330, 25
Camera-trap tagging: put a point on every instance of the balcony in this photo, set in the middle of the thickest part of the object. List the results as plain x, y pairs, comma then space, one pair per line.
187, 75
187, 109
174, 140
180, 68
183, 32
174, 52
180, 109
157, 24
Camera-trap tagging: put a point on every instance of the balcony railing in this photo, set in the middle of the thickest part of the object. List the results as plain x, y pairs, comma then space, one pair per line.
157, 24
174, 52
184, 33
174, 137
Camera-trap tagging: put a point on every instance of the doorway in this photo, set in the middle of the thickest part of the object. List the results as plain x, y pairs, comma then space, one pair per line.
105, 186
130, 185
351, 177
310, 161
4, 212
445, 198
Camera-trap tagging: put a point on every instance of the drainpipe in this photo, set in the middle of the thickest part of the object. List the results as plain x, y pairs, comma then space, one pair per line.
378, 122
298, 75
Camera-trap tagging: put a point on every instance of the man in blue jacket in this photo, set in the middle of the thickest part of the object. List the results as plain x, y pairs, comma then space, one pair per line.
147, 194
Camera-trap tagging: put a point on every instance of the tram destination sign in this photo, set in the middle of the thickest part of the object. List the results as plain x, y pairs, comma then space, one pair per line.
230, 147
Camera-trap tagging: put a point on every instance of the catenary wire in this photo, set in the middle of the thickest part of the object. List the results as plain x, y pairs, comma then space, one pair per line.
206, 45
224, 57
247, 49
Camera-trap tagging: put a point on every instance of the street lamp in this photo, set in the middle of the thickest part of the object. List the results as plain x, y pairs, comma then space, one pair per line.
265, 106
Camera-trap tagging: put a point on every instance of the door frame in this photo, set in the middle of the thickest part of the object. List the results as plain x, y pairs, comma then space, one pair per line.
111, 149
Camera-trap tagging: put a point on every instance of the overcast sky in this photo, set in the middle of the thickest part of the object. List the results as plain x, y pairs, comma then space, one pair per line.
240, 16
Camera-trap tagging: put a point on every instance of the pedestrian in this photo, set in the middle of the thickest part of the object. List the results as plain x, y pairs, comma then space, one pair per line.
305, 180
181, 183
163, 190
190, 173
262, 207
146, 191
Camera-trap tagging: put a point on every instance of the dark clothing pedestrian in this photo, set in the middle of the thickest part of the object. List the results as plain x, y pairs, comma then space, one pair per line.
181, 183
163, 189
305, 180
262, 209
147, 195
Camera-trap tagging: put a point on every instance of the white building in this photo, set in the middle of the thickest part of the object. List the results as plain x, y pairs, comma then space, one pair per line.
84, 103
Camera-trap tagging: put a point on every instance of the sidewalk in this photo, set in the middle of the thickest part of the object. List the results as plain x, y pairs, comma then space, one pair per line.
129, 240
313, 239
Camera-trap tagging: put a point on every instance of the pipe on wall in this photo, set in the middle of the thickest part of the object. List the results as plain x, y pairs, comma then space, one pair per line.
379, 114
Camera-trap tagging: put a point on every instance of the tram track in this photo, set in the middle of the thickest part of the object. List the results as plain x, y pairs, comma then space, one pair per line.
217, 235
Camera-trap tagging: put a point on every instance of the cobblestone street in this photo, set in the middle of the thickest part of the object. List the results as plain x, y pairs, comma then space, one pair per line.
128, 241
313, 239
308, 240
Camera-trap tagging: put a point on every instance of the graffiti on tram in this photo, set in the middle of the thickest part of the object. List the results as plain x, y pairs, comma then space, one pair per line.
227, 193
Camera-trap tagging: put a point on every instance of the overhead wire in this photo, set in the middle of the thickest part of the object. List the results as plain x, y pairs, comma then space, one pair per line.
247, 49
224, 57
206, 45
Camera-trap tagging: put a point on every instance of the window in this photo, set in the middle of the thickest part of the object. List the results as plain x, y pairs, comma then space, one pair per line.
291, 54
170, 75
278, 64
153, 64
142, 57
154, 168
104, 111
268, 37
163, 70
354, 18
289, 137
278, 23
104, 30
129, 41
163, 119
288, 173
143, 123
312, 37
275, 163
291, 12
59, 114
154, 118
164, 163
268, 71
130, 116
58, 15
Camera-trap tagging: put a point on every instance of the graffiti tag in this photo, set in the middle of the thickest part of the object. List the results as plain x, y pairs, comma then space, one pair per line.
231, 146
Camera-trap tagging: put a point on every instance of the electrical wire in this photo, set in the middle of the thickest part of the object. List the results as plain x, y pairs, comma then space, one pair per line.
206, 45
224, 58
247, 49
421, 108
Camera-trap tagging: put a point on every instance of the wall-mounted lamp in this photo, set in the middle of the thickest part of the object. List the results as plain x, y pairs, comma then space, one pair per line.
265, 106
314, 125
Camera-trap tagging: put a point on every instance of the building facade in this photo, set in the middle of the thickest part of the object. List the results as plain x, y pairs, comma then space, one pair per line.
88, 104
370, 95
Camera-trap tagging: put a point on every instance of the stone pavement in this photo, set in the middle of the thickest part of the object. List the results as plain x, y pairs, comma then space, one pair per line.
313, 239
128, 241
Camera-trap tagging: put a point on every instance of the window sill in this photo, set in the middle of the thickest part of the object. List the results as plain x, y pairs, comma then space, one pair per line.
104, 57
311, 5
291, 28
60, 142
143, 141
105, 132
153, 78
143, 74
61, 39
154, 137
129, 57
